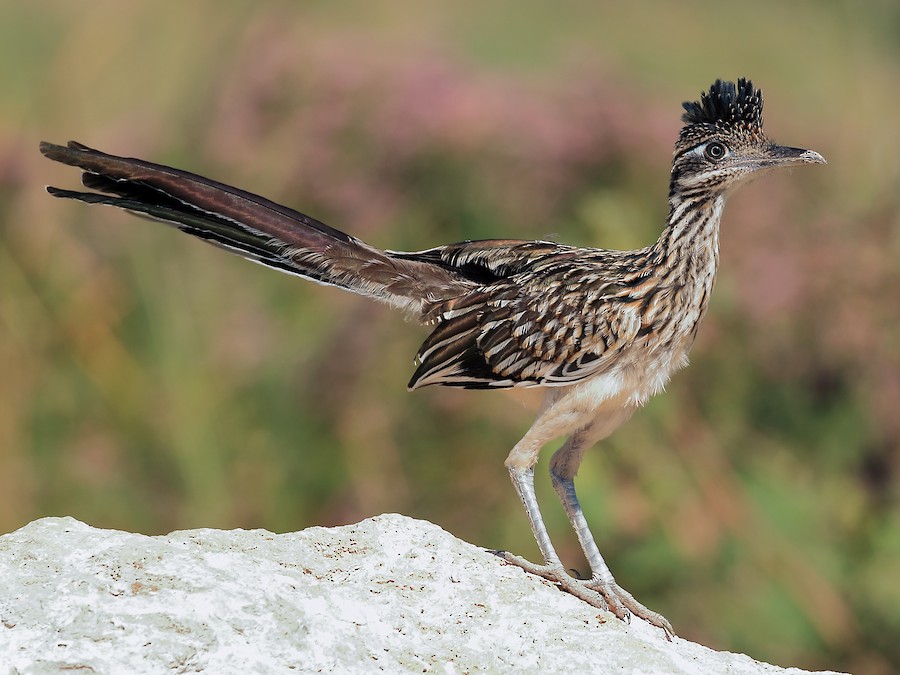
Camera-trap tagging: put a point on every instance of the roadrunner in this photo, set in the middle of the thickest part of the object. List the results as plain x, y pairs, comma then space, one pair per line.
600, 330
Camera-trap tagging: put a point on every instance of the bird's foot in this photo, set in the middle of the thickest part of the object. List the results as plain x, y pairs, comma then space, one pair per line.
605, 595
609, 590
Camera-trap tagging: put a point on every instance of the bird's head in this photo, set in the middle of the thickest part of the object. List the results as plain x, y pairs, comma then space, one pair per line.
722, 143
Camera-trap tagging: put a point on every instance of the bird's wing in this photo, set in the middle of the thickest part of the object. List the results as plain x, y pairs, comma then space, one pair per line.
556, 316
487, 260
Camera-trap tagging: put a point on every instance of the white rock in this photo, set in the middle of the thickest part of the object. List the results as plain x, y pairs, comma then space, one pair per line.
389, 594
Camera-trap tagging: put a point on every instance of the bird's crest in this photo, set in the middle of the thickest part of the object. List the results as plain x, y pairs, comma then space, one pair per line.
726, 105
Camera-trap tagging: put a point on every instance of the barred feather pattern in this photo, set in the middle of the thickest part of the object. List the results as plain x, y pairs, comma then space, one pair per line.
557, 314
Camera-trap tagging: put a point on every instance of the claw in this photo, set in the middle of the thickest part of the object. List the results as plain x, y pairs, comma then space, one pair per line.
604, 595
613, 590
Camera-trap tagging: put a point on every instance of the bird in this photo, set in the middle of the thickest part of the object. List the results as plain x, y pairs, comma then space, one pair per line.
599, 330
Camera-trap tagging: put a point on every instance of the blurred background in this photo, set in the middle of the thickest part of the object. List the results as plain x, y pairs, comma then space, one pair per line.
151, 383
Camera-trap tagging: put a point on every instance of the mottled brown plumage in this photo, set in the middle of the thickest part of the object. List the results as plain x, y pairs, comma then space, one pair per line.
601, 330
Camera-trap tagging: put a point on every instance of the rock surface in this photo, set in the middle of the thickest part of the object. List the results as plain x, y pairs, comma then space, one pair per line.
388, 594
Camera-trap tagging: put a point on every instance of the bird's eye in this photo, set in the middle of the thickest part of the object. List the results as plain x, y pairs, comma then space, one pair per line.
715, 150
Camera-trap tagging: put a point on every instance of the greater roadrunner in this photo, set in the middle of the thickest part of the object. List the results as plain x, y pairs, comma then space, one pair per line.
601, 330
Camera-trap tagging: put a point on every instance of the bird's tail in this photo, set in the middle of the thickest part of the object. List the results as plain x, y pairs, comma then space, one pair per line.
253, 227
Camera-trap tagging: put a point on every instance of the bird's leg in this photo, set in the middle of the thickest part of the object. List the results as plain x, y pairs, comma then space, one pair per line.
563, 466
558, 418
552, 569
523, 482
520, 463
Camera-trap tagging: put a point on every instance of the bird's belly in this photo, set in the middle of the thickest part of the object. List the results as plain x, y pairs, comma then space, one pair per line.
633, 380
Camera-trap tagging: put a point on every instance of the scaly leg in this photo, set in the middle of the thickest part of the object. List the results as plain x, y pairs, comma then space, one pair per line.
621, 602
601, 590
552, 569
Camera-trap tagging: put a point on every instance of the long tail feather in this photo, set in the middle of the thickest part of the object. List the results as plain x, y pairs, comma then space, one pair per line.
253, 227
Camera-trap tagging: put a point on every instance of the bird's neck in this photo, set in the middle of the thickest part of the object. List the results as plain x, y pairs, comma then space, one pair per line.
687, 259
691, 235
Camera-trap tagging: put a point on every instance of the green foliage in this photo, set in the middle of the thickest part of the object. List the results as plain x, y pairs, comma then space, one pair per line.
151, 383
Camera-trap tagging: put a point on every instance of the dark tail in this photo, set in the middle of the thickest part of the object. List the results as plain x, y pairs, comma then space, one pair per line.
253, 227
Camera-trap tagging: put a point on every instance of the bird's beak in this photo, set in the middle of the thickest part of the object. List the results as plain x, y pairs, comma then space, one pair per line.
766, 159
781, 155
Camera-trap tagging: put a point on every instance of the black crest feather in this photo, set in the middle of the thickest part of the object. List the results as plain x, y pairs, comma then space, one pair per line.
726, 104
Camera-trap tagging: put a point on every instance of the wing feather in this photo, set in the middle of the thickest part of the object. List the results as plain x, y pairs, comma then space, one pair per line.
553, 321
